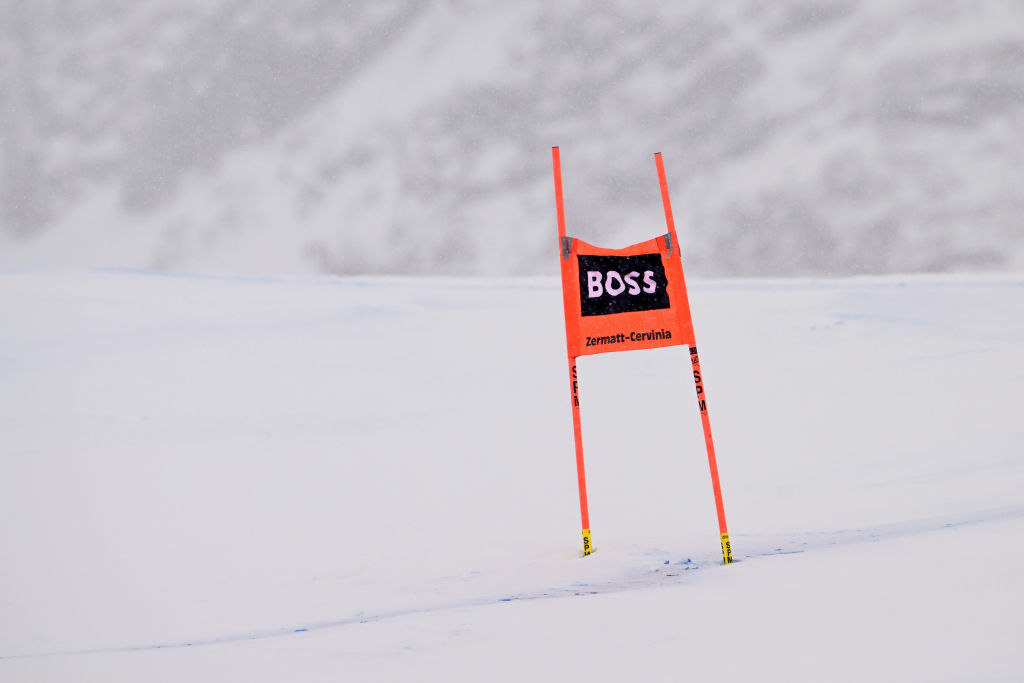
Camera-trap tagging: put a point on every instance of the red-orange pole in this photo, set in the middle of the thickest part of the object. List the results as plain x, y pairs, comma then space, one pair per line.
556, 163
581, 477
574, 395
698, 380
702, 403
665, 201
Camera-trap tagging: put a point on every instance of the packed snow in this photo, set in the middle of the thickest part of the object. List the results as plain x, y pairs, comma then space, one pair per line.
322, 479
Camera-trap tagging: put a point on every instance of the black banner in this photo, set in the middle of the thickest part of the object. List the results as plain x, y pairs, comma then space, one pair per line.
622, 284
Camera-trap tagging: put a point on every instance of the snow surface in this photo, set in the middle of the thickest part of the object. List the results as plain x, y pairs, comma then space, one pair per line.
263, 479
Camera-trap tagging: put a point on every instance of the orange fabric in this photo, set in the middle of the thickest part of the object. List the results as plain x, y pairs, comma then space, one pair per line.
607, 284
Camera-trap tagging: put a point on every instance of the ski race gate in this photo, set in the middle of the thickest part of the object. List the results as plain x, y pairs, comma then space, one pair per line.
624, 300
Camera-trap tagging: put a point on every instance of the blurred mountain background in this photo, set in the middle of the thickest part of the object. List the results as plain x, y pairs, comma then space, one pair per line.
317, 136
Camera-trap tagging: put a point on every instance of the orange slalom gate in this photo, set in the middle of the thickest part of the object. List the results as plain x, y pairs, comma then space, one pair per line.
623, 300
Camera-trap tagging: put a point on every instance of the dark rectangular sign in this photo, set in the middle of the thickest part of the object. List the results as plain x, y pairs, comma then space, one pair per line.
622, 284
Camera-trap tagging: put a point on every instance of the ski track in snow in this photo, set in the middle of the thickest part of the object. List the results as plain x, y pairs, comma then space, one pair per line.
754, 546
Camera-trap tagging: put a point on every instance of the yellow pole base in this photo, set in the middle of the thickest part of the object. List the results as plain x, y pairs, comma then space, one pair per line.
726, 549
587, 546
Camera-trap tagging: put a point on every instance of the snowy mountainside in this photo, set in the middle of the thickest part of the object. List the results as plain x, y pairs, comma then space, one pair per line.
397, 137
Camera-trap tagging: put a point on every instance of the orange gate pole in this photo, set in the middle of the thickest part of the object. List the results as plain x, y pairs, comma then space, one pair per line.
574, 395
581, 477
699, 382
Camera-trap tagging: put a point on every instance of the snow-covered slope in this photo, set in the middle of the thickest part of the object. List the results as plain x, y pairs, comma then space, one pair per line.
373, 479
412, 137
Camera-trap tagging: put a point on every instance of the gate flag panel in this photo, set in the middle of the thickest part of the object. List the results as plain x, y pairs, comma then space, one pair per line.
624, 299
